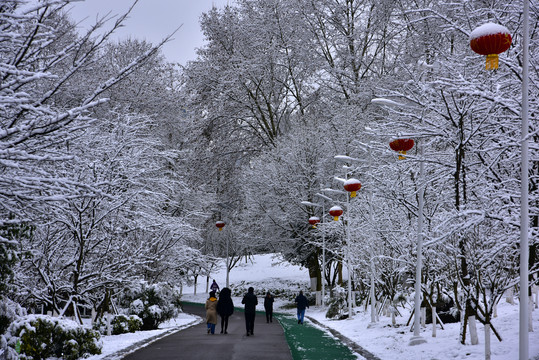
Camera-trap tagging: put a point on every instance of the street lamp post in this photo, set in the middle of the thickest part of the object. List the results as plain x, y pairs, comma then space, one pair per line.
372, 293
308, 203
416, 338
220, 225
348, 265
524, 211
323, 248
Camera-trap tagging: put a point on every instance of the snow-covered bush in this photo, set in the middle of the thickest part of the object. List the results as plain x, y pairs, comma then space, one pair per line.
337, 305
41, 337
153, 303
9, 310
120, 324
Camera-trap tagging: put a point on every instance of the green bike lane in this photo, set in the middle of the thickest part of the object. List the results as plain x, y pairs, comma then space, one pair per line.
307, 342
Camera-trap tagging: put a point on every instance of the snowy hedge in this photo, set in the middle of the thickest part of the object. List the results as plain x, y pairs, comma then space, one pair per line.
121, 324
40, 337
153, 303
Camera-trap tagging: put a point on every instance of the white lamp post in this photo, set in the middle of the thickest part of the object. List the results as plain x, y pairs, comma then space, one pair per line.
416, 338
524, 310
323, 248
220, 225
348, 265
346, 158
308, 203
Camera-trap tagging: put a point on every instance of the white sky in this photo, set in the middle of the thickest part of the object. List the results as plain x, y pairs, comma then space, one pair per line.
152, 20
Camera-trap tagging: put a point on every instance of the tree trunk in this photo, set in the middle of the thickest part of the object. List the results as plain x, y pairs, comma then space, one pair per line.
433, 309
339, 273
473, 330
487, 341
509, 296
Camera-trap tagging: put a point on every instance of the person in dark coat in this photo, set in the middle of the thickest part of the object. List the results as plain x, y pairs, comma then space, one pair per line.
302, 303
225, 308
268, 306
250, 302
214, 286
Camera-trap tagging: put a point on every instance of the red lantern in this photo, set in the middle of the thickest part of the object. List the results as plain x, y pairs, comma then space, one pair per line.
402, 146
220, 225
352, 185
313, 220
335, 211
490, 40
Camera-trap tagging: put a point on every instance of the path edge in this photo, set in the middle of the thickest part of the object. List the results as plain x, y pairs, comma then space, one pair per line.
351, 344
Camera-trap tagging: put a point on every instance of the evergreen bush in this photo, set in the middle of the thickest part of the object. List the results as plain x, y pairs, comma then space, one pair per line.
120, 324
39, 337
153, 304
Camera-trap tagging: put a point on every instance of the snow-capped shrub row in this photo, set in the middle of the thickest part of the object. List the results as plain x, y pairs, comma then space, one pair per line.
40, 337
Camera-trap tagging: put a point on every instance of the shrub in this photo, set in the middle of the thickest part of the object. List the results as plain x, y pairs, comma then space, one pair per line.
337, 305
41, 337
153, 304
120, 324
9, 311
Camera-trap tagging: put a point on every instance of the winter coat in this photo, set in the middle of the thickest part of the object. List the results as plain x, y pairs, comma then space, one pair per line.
302, 302
250, 302
225, 306
268, 302
211, 310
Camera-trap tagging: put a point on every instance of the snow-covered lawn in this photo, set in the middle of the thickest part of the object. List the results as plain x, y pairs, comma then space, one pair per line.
381, 339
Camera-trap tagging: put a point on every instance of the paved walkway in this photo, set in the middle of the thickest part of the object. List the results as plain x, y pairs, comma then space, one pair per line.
268, 341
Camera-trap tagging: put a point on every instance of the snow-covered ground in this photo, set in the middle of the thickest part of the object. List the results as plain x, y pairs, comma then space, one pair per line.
386, 342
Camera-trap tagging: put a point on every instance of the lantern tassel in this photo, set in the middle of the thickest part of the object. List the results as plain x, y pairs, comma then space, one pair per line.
220, 229
353, 194
401, 155
491, 62
336, 218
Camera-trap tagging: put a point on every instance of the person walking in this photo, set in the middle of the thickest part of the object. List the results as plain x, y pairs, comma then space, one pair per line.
250, 301
268, 306
225, 308
214, 287
301, 303
211, 312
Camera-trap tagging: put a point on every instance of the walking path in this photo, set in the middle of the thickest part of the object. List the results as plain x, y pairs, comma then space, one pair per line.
283, 339
268, 341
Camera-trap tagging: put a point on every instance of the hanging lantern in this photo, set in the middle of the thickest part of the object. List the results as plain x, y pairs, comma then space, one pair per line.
313, 220
335, 211
402, 146
490, 40
220, 225
352, 185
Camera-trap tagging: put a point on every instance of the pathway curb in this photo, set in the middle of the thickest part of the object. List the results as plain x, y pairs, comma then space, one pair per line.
351, 344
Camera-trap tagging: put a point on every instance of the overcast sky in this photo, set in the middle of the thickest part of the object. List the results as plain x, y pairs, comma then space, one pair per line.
152, 20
